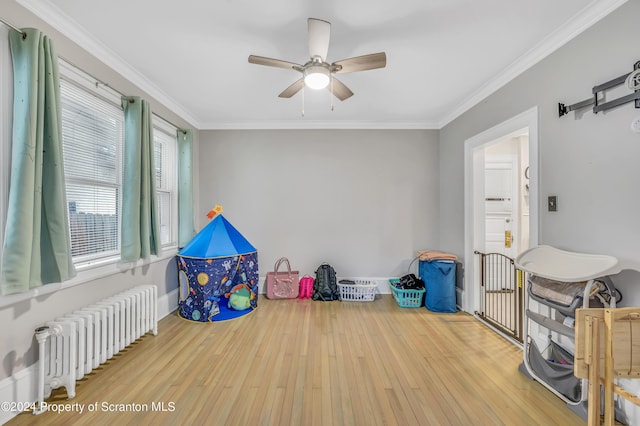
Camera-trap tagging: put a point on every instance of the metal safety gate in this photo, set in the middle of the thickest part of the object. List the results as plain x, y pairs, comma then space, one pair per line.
501, 294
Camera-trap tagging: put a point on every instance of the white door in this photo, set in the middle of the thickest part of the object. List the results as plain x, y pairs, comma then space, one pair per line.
500, 208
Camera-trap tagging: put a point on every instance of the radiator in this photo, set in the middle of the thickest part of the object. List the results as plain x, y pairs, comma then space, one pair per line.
78, 342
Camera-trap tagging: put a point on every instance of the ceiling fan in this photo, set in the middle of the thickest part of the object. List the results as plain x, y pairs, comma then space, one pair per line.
317, 73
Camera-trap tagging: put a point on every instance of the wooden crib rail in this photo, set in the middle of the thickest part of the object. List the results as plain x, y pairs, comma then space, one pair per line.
607, 340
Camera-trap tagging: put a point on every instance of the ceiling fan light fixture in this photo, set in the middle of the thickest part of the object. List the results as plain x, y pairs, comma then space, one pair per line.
316, 77
318, 74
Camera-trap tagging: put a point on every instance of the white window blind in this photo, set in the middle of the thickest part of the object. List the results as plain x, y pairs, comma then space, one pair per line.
165, 145
92, 134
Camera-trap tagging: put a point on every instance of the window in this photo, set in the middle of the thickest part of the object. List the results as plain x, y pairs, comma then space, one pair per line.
165, 145
92, 138
92, 135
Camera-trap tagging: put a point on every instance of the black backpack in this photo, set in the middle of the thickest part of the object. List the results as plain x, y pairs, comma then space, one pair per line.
326, 286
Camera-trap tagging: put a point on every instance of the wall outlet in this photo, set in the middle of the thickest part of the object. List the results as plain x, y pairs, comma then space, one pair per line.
552, 203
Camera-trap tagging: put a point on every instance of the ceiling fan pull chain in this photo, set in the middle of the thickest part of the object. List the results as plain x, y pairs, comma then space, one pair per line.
302, 101
331, 92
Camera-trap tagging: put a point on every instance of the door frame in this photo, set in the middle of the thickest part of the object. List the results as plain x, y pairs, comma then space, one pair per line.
474, 199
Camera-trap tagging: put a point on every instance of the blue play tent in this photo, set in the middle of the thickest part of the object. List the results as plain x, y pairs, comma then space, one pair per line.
217, 274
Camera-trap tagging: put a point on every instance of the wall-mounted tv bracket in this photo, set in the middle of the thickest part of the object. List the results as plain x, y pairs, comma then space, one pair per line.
597, 107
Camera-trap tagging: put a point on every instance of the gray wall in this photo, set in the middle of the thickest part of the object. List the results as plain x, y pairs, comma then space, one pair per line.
18, 348
590, 161
362, 200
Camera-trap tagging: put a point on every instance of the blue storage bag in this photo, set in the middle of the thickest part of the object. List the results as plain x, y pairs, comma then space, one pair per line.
440, 282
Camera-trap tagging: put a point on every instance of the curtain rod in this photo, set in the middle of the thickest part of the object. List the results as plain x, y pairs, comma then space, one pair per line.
24, 35
129, 97
98, 81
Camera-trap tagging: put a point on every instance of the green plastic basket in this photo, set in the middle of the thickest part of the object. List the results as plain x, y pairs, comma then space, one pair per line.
406, 298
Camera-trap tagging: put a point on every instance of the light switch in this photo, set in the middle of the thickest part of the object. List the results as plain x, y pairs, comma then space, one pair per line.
552, 203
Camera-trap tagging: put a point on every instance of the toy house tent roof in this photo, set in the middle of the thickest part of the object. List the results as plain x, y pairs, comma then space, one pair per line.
218, 239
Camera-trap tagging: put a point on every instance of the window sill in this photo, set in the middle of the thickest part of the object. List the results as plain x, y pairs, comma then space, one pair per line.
86, 273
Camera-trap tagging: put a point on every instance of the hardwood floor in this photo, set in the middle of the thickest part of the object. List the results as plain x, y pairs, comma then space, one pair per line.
299, 362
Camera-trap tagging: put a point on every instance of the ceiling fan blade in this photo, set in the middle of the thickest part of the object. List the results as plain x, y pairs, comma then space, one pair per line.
319, 36
269, 62
339, 90
293, 89
360, 63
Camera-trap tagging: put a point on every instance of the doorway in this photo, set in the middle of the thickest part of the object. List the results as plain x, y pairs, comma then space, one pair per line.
506, 232
500, 213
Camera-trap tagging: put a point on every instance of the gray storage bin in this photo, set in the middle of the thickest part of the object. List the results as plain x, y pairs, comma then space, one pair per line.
557, 370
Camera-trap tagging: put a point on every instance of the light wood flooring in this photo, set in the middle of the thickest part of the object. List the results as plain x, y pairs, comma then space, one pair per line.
299, 362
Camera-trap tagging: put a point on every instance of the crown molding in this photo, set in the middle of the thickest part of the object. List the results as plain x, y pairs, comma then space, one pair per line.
49, 13
305, 124
53, 16
584, 19
588, 16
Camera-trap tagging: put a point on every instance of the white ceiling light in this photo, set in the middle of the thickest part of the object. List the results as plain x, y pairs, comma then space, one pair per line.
316, 77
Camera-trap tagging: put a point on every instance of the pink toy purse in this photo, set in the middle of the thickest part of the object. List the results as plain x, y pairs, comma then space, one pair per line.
282, 285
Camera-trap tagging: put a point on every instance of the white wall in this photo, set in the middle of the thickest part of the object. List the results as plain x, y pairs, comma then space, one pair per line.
364, 201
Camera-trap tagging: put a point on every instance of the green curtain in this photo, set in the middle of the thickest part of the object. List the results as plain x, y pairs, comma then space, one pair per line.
37, 246
140, 236
186, 229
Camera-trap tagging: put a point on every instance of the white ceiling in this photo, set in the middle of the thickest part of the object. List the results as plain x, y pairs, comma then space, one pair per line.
443, 56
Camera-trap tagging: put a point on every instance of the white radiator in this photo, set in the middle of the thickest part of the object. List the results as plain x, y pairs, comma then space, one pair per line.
76, 343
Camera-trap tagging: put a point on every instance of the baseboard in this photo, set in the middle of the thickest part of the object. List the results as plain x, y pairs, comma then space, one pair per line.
167, 303
21, 389
382, 282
